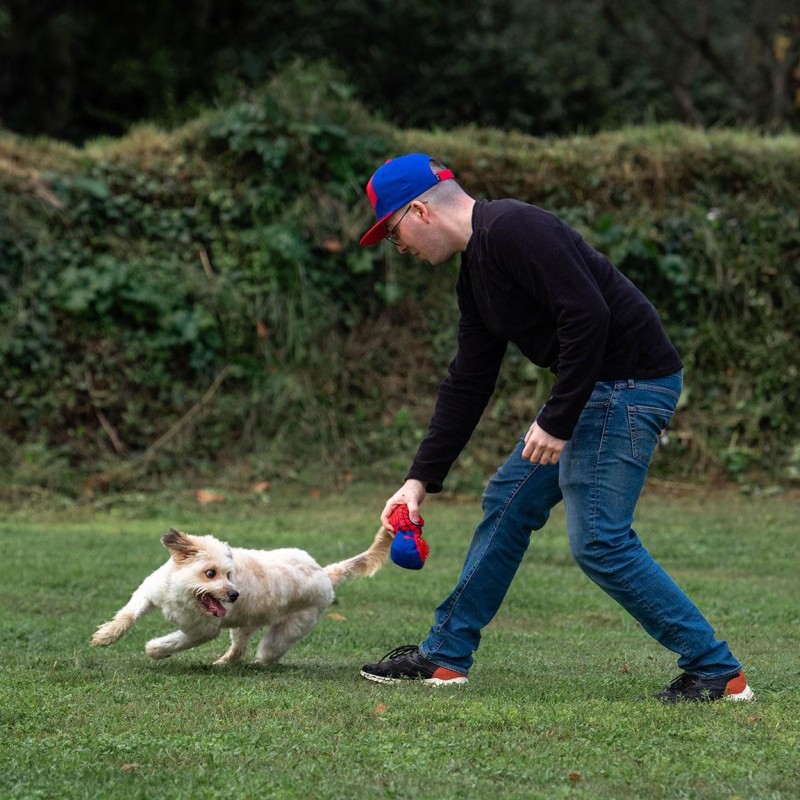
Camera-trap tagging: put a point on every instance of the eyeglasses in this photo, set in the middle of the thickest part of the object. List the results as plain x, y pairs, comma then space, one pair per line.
392, 235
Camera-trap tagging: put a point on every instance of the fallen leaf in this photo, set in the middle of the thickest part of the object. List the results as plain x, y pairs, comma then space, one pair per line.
262, 331
261, 487
130, 767
625, 669
574, 776
381, 708
205, 497
315, 493
331, 244
337, 617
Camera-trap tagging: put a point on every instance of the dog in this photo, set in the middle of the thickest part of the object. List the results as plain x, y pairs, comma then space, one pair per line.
206, 585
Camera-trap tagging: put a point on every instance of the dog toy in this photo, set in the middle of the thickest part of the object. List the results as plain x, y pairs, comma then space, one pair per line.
409, 549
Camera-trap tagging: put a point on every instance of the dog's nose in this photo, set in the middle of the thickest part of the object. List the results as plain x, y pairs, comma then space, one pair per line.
233, 595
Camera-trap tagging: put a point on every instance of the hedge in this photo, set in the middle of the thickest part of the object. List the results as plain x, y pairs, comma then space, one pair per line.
196, 299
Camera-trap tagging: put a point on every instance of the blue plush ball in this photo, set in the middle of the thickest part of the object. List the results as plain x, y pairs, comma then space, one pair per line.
409, 550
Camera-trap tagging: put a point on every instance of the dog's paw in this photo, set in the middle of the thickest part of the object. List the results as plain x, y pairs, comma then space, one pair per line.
106, 634
230, 656
156, 650
266, 660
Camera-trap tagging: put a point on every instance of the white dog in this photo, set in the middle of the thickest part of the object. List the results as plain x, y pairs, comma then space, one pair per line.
206, 586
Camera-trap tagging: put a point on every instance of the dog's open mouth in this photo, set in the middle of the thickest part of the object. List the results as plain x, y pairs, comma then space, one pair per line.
212, 605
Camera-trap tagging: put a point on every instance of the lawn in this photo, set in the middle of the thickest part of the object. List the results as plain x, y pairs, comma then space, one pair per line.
558, 702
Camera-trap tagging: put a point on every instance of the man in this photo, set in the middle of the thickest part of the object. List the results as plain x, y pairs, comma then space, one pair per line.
528, 278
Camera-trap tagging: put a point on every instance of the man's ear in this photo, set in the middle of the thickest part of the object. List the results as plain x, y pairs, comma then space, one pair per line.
420, 207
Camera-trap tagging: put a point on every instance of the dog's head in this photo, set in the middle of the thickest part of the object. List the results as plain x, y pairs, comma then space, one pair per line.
204, 568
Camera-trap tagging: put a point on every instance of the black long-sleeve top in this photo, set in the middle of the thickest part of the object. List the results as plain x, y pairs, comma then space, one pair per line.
527, 277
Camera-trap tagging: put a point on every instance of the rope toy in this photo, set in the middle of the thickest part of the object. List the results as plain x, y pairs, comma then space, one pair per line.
409, 549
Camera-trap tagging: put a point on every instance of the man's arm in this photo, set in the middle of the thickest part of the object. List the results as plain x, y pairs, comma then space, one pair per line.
462, 399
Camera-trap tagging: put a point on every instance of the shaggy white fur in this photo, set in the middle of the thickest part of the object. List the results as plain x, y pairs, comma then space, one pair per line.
207, 585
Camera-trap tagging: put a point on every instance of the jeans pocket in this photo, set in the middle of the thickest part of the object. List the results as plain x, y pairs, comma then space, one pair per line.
646, 424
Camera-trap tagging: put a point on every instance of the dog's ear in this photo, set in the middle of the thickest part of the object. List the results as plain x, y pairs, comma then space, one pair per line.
180, 544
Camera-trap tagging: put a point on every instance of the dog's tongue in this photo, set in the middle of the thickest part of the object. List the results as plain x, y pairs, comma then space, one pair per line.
217, 609
214, 606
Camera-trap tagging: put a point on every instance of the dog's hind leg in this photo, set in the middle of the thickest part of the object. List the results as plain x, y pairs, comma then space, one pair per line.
165, 646
240, 638
281, 636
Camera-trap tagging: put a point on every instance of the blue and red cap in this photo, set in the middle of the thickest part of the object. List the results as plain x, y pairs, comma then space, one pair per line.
399, 181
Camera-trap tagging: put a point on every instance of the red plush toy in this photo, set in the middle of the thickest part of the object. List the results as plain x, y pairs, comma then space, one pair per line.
409, 549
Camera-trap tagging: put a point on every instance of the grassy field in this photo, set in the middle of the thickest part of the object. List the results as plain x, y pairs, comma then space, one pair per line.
554, 706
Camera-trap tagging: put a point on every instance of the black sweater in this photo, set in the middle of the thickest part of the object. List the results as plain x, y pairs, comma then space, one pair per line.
526, 277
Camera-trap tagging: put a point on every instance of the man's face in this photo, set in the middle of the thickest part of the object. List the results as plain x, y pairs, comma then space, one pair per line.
414, 229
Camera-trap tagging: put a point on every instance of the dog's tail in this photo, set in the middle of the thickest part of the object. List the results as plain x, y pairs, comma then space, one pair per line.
365, 564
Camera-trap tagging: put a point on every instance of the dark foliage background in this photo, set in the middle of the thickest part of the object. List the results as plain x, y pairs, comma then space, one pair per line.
75, 70
181, 197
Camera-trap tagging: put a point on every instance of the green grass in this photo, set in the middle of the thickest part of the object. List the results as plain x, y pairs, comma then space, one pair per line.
551, 709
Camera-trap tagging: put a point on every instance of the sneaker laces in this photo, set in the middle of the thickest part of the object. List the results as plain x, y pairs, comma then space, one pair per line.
399, 652
683, 681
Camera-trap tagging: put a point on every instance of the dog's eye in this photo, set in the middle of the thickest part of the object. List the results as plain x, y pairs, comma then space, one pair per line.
211, 573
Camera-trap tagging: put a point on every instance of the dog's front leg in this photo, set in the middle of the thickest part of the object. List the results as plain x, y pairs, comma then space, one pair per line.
115, 629
240, 638
165, 646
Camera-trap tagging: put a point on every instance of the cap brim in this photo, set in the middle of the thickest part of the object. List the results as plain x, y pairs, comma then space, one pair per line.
376, 233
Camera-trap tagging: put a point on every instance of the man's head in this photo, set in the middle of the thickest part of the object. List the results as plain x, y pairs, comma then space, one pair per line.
393, 186
419, 208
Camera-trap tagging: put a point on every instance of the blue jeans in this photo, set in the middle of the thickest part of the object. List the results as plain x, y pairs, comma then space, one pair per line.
600, 477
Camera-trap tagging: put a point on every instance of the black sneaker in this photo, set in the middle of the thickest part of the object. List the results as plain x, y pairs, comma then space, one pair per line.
693, 688
406, 663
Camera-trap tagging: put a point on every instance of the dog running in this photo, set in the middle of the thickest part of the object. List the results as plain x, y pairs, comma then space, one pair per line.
206, 585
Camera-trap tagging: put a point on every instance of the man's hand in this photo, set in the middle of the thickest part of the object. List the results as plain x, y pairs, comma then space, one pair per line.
410, 494
541, 447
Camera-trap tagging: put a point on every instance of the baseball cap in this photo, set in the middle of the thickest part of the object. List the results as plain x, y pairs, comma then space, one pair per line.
396, 183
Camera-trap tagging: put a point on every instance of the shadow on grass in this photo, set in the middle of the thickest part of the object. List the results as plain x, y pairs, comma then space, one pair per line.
316, 672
